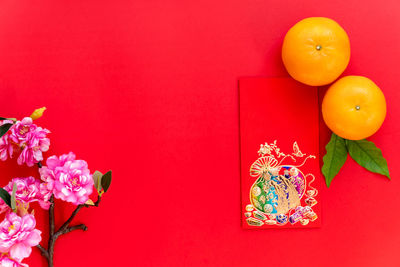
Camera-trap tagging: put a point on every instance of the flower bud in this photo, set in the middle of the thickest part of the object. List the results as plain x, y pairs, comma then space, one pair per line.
38, 113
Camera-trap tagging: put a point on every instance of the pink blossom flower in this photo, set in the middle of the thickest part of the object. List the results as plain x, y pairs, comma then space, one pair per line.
54, 161
35, 144
6, 146
31, 139
21, 129
18, 235
28, 190
8, 262
67, 178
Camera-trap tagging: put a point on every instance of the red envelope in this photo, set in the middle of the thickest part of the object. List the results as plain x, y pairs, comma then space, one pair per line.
279, 139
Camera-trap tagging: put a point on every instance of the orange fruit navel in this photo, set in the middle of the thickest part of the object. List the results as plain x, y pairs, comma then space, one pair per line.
354, 107
316, 51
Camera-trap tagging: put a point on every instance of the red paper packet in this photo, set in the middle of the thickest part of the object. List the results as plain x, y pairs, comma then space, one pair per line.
279, 142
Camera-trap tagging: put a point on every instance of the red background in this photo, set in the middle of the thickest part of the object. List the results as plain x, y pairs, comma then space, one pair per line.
149, 89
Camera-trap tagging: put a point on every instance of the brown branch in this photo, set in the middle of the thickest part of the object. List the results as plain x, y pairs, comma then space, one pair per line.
75, 212
70, 229
51, 213
67, 222
52, 238
43, 251
76, 227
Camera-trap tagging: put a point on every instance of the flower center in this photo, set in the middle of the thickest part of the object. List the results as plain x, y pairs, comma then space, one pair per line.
24, 130
11, 227
74, 181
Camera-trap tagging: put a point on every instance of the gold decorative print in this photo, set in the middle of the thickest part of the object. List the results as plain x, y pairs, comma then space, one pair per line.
280, 187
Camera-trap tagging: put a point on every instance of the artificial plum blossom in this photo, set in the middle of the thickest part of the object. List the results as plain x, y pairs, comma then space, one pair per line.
31, 139
18, 235
53, 162
67, 178
35, 144
26, 137
6, 146
20, 130
28, 190
8, 262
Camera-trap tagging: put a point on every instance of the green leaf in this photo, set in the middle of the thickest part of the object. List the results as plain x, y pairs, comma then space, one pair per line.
97, 180
13, 200
10, 119
4, 128
335, 157
367, 155
106, 181
5, 196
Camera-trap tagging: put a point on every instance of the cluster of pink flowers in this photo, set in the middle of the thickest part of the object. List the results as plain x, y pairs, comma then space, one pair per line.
67, 178
29, 190
63, 177
17, 231
25, 138
17, 237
